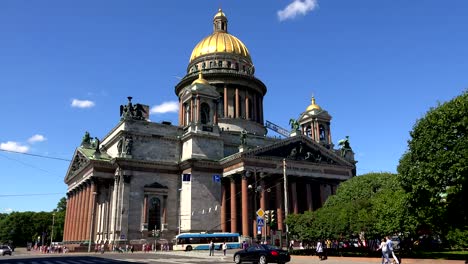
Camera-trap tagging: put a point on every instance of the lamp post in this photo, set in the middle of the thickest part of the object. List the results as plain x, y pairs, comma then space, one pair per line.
92, 222
52, 231
285, 182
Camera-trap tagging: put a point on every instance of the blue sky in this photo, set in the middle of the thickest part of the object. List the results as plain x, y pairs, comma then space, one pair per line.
67, 66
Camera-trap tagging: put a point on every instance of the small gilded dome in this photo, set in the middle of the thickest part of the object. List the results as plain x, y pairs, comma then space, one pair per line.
200, 80
219, 14
313, 106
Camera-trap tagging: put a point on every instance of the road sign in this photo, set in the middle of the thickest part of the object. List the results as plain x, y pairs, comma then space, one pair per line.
122, 236
216, 178
259, 230
260, 212
260, 221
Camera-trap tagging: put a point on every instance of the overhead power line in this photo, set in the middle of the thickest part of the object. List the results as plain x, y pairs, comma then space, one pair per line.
35, 155
30, 194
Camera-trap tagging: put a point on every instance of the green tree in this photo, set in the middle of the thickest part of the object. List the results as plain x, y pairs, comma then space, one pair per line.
373, 203
434, 169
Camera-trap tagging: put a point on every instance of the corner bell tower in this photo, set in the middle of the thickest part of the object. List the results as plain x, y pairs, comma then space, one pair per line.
315, 124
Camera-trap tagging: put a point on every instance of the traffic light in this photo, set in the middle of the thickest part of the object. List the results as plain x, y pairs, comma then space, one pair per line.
272, 218
153, 232
267, 216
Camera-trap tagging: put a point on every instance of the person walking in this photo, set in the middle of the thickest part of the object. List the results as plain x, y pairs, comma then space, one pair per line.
212, 248
319, 249
384, 248
224, 248
390, 250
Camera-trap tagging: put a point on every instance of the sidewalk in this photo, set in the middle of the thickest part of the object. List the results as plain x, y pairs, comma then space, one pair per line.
360, 260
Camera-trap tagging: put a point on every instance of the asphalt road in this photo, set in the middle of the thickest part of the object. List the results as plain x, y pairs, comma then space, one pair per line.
193, 257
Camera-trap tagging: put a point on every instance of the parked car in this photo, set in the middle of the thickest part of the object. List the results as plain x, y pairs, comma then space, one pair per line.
262, 254
5, 250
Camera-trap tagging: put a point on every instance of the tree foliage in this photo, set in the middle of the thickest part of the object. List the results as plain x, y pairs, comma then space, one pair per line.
434, 170
18, 228
373, 203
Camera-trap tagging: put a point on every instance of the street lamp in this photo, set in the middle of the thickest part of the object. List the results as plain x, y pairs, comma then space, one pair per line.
52, 231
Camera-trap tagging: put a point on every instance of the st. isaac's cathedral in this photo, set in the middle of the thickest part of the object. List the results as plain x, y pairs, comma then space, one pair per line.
212, 171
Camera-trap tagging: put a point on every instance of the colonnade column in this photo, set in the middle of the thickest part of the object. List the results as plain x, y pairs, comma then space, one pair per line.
247, 107
295, 206
180, 113
237, 114
73, 216
233, 206
198, 109
255, 110
66, 229
329, 133
223, 207
309, 197
79, 218
226, 114
191, 111
92, 211
164, 212
86, 211
261, 110
279, 206
245, 207
145, 209
215, 113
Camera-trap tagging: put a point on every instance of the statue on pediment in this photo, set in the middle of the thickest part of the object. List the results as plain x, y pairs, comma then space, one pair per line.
345, 147
294, 124
86, 141
243, 137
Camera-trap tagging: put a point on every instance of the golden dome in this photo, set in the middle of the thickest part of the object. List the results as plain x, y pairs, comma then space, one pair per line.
313, 106
220, 42
200, 80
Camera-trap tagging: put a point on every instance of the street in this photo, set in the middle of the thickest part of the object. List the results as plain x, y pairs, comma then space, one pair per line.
193, 257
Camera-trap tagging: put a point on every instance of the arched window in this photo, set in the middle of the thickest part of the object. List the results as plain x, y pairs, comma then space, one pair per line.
154, 214
308, 131
321, 132
205, 113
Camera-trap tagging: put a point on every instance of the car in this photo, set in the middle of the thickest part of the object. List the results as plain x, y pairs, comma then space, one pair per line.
5, 250
262, 254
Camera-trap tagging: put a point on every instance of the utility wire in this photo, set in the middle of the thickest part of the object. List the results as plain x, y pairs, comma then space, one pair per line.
31, 194
35, 155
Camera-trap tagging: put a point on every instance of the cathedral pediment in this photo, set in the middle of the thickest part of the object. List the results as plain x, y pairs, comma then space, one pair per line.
79, 161
299, 148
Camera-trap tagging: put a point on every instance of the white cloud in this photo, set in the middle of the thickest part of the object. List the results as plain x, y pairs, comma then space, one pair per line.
14, 146
166, 107
7, 210
82, 103
295, 8
36, 138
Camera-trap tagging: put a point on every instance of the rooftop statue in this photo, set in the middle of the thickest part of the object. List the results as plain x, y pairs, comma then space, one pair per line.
294, 124
86, 141
131, 111
243, 137
344, 146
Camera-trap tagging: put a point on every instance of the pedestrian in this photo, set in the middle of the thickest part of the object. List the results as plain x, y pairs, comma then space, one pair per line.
132, 249
390, 249
212, 248
384, 248
102, 249
224, 248
319, 249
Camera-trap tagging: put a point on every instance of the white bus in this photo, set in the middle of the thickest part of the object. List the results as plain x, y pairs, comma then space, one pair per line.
201, 241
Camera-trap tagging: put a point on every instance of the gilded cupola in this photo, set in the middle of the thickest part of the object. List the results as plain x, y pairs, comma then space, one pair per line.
220, 41
313, 105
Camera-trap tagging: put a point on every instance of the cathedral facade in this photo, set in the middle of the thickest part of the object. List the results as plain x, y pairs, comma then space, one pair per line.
212, 171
